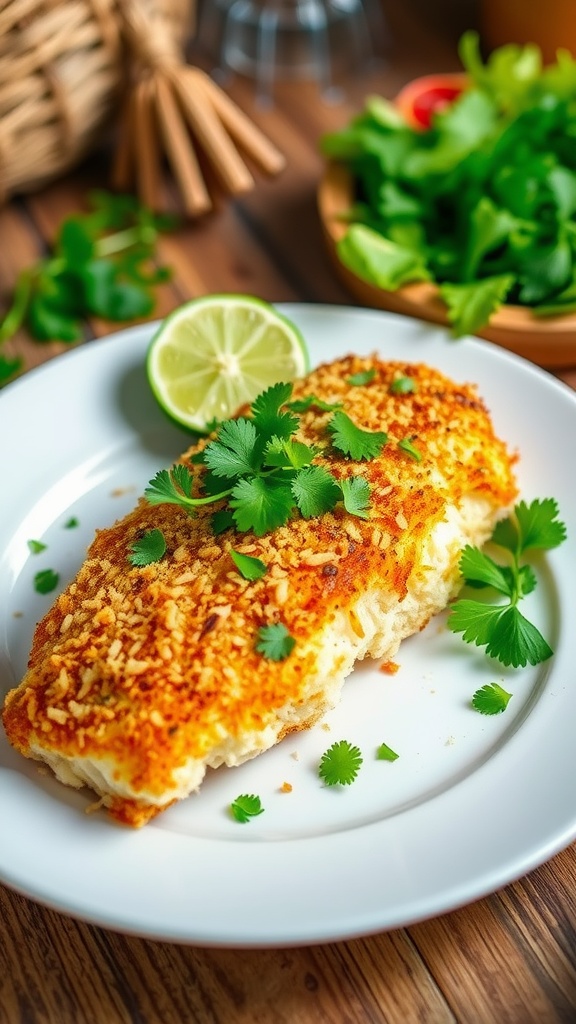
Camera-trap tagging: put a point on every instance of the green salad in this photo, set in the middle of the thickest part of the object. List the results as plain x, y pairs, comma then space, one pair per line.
483, 203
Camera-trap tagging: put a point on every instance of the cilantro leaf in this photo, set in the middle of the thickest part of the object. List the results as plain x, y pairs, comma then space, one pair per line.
45, 581
516, 641
362, 378
403, 386
71, 523
221, 521
539, 525
275, 642
36, 546
385, 753
340, 764
312, 402
491, 699
266, 413
249, 567
234, 452
288, 454
261, 505
149, 548
358, 444
356, 496
405, 445
475, 620
477, 567
246, 806
315, 491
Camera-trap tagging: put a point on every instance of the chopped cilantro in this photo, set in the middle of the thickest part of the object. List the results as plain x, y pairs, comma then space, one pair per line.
362, 378
246, 806
356, 496
36, 546
149, 548
45, 581
312, 402
275, 642
406, 446
340, 764
249, 567
358, 444
263, 473
385, 753
491, 699
403, 386
71, 523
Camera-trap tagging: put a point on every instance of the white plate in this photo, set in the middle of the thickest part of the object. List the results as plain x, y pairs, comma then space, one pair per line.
471, 803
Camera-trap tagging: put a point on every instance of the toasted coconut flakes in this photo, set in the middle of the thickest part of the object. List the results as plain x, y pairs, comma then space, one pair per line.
353, 531
157, 718
209, 551
66, 623
281, 591
172, 616
320, 558
401, 521
115, 649
135, 667
57, 715
88, 677
78, 710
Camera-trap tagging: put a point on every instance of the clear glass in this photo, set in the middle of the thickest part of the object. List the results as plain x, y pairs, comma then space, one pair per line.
313, 39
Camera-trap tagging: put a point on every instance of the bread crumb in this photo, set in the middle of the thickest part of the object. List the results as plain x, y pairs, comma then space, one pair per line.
286, 787
389, 667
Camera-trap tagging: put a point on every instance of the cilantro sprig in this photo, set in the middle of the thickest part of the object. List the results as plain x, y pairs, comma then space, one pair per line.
265, 475
103, 264
501, 628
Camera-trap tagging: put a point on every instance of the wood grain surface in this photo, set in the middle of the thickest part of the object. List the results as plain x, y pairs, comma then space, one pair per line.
507, 959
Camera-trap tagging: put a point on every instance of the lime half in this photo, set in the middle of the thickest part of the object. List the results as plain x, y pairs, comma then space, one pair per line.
216, 353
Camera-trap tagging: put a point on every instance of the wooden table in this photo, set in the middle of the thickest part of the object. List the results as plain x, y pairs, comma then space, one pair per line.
510, 957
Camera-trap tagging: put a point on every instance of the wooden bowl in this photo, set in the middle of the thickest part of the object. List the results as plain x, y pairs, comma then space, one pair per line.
548, 341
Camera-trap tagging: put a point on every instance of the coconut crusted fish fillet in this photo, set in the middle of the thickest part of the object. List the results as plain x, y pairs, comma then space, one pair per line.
141, 678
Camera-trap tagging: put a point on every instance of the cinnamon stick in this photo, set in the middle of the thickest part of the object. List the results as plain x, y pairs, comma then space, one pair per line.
180, 150
245, 133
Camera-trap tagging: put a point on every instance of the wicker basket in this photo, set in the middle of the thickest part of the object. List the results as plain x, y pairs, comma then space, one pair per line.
63, 66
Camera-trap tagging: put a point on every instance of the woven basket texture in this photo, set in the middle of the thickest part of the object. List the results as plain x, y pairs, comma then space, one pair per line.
63, 67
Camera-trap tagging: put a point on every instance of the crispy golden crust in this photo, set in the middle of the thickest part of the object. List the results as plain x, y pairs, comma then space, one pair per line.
145, 668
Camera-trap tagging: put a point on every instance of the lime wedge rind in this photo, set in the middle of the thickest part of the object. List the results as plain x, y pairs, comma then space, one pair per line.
217, 353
